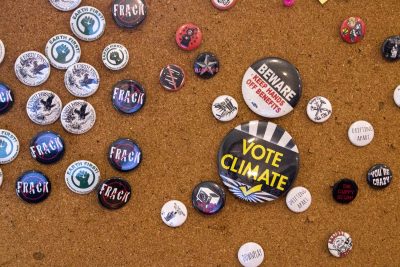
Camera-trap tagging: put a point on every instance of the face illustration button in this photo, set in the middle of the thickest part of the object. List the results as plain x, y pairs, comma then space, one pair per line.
6, 98
319, 109
87, 23
65, 5
172, 77
188, 37
345, 191
78, 117
251, 254
129, 13
82, 80
258, 161
174, 213
298, 199
128, 96
114, 193
340, 244
44, 107
224, 108
33, 187
32, 68
115, 56
271, 87
391, 48
206, 65
223, 4
361, 133
124, 155
379, 176
352, 30
82, 176
47, 147
63, 50
2, 51
208, 198
9, 146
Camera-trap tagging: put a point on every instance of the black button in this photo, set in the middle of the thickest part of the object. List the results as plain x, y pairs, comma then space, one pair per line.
124, 155
47, 147
379, 176
128, 96
6, 98
345, 191
114, 193
208, 197
33, 187
206, 65
129, 13
391, 48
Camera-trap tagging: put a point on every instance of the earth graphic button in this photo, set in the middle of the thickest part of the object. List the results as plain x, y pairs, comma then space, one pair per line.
124, 155
6, 98
87, 23
33, 187
129, 13
128, 96
47, 147
9, 146
114, 193
208, 198
63, 50
82, 176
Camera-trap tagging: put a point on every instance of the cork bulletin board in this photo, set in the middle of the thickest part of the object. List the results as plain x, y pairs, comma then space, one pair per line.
180, 138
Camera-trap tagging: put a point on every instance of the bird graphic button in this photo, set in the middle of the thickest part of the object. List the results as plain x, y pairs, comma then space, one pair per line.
47, 147
63, 50
6, 98
206, 65
224, 108
82, 176
82, 80
65, 5
78, 117
44, 107
32, 68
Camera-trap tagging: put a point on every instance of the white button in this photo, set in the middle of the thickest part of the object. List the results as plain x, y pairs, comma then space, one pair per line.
319, 109
251, 254
44, 107
63, 50
9, 146
361, 133
298, 199
340, 244
174, 213
82, 80
78, 117
82, 176
396, 96
1, 177
88, 23
65, 5
224, 108
115, 56
32, 68
2, 51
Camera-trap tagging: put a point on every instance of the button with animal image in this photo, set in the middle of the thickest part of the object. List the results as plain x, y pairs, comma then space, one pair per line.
172, 77
6, 98
224, 108
44, 107
63, 50
379, 176
361, 133
352, 30
124, 154
114, 193
340, 244
82, 80
174, 213
128, 96
208, 197
82, 176
9, 146
251, 254
64, 5
223, 4
391, 48
345, 191
188, 37
47, 147
32, 68
115, 56
206, 65
33, 187
129, 13
319, 109
78, 117
88, 23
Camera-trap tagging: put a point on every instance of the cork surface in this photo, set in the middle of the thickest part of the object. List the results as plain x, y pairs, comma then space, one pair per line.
179, 138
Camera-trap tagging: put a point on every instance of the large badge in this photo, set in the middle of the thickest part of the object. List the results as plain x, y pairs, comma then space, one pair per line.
258, 161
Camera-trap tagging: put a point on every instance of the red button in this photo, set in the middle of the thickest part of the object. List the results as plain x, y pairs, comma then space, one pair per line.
352, 30
223, 4
188, 37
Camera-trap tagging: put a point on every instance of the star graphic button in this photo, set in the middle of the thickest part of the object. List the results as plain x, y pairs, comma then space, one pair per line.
206, 65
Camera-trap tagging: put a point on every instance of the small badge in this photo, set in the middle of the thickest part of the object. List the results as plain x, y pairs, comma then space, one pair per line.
391, 48
188, 37
396, 96
223, 4
65, 5
47, 147
345, 191
206, 65
1, 177
78, 117
9, 146
2, 51
114, 193
379, 176
124, 155
172, 77
258, 161
340, 244
88, 23
361, 133
271, 87
115, 56
208, 198
32, 68
33, 187
44, 107
224, 108
82, 80
128, 96
174, 213
6, 98
298, 199
352, 30
129, 13
251, 255
82, 176
319, 109
63, 50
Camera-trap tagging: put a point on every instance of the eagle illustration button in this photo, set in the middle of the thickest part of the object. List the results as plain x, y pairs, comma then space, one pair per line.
2, 51
391, 48
47, 147
352, 30
224, 108
129, 13
65, 5
88, 23
188, 37
251, 254
9, 146
340, 244
345, 191
33, 187
319, 109
63, 50
78, 117
379, 176
6, 98
82, 176
82, 80
361, 133
298, 199
114, 193
172, 77
258, 161
271, 87
115, 56
32, 68
206, 65
208, 197
174, 213
124, 155
223, 4
44, 107
128, 96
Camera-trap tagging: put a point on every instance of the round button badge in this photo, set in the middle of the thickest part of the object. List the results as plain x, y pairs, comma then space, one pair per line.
223, 4
271, 87
115, 56
9, 146
258, 161
65, 5
129, 13
63, 50
124, 155
251, 254
114, 193
47, 147
352, 30
188, 37
206, 65
88, 23
2, 51
396, 96
174, 213
379, 176
32, 68
391, 48
172, 77
128, 96
208, 198
1, 177
224, 108
361, 133
82, 80
298, 199
6, 98
44, 107
319, 109
345, 191
78, 117
33, 187
340, 244
82, 176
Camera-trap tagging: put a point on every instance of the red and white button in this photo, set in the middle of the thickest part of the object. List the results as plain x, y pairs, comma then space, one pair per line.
188, 37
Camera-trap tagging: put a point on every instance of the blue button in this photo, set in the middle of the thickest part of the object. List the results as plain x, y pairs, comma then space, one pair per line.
124, 155
6, 98
47, 147
128, 96
33, 187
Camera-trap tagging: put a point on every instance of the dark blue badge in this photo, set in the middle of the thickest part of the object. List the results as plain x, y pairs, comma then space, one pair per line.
208, 198
206, 65
124, 155
33, 187
47, 147
6, 98
114, 193
128, 96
